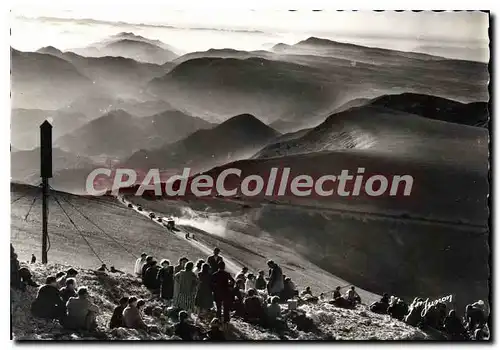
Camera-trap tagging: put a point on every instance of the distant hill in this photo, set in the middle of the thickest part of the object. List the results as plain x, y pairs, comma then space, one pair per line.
223, 53
432, 107
380, 130
118, 134
217, 88
25, 125
25, 166
44, 81
132, 46
236, 138
122, 77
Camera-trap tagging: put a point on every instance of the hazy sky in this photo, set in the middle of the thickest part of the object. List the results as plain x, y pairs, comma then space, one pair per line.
453, 34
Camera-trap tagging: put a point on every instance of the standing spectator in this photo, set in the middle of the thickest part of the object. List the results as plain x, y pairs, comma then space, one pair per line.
198, 266
214, 260
260, 282
139, 263
149, 260
187, 283
221, 284
204, 295
151, 281
275, 285
166, 279
33, 258
180, 267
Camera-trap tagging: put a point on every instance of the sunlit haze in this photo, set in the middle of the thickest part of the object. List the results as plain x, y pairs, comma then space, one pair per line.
461, 35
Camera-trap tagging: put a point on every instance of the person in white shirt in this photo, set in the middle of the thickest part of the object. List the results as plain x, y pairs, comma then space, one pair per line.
139, 263
250, 282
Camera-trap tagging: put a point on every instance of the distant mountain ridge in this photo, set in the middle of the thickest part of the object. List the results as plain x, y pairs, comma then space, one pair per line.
132, 46
237, 137
119, 134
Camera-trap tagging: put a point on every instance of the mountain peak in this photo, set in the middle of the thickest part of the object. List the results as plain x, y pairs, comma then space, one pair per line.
49, 49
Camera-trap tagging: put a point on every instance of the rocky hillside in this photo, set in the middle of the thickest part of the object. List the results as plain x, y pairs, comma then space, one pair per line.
329, 322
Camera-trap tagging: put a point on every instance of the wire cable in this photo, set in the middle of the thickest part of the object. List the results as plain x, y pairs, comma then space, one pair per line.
81, 234
98, 227
31, 206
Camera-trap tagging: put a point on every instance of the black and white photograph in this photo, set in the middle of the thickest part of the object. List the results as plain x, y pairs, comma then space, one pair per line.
240, 174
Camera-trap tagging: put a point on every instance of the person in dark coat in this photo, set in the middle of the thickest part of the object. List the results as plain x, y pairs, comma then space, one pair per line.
150, 278
222, 282
454, 327
117, 318
69, 290
276, 284
381, 306
214, 260
185, 330
33, 258
336, 293
166, 279
204, 296
113, 270
48, 303
103, 268
254, 311
215, 334
15, 279
260, 282
398, 309
149, 259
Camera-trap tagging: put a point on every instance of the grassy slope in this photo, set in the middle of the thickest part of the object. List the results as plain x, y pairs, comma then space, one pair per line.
133, 231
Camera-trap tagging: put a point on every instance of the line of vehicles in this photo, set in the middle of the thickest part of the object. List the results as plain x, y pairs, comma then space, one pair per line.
169, 223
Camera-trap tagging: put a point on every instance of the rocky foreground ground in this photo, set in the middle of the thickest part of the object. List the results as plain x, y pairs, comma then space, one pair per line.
330, 322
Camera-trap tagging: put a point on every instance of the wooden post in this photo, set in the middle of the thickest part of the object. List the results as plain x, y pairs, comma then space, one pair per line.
45, 173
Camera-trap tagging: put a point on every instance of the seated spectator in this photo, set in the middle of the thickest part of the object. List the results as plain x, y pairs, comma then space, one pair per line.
381, 306
474, 317
289, 290
61, 279
113, 270
215, 333
250, 282
352, 296
273, 315
48, 303
397, 309
260, 282
185, 330
253, 308
306, 291
454, 327
103, 268
81, 313
26, 278
336, 293
132, 317
117, 318
242, 274
238, 296
69, 291
414, 316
